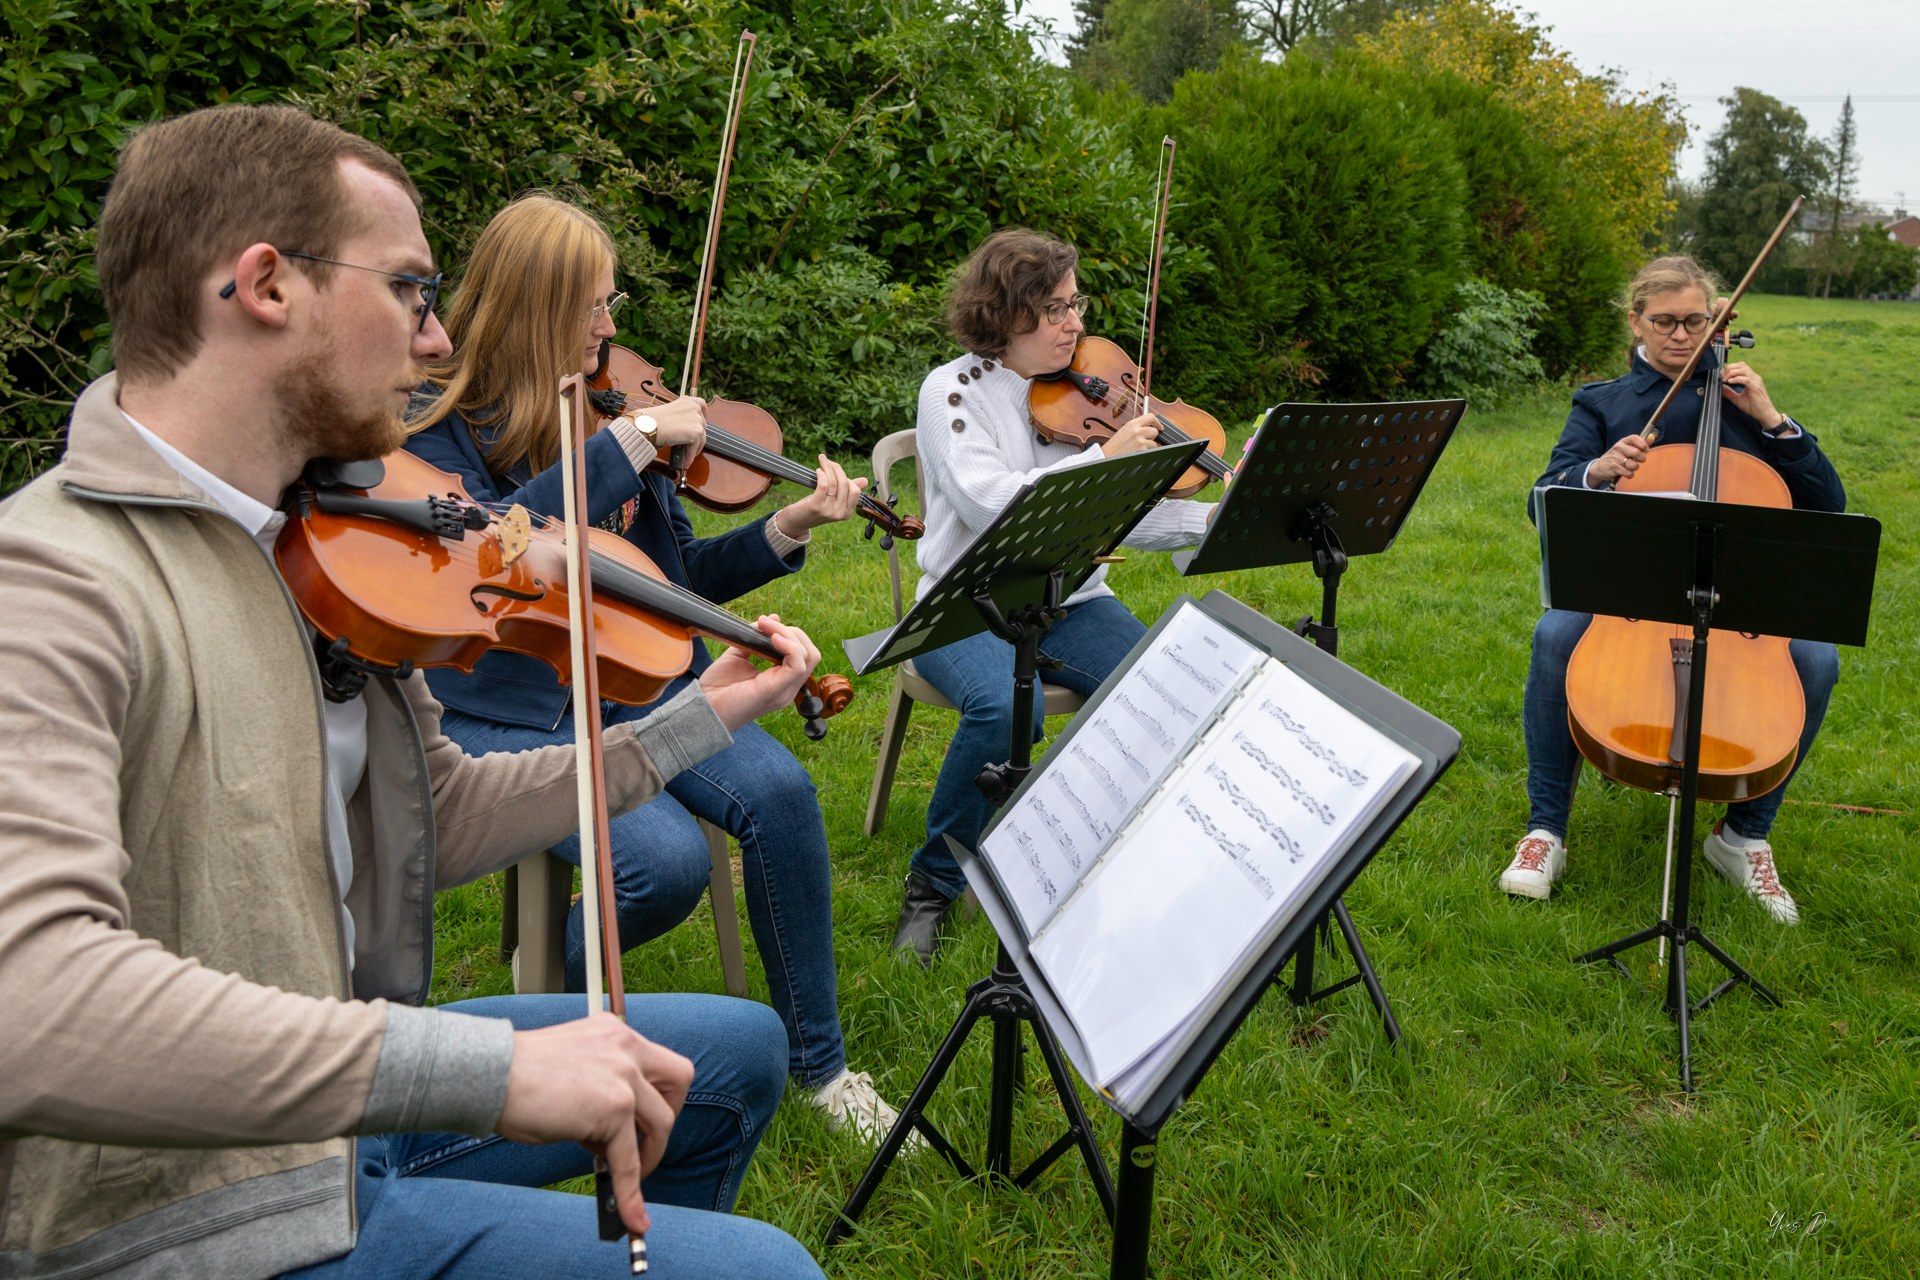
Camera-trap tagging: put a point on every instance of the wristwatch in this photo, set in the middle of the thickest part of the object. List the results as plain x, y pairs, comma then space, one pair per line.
647, 427
1786, 424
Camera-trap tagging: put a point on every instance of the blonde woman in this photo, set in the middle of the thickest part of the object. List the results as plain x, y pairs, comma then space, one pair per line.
536, 301
1669, 306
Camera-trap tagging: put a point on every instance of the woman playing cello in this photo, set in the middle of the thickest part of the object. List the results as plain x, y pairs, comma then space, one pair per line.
1669, 308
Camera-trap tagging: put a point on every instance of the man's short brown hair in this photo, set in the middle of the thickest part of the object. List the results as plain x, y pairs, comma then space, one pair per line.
997, 295
195, 191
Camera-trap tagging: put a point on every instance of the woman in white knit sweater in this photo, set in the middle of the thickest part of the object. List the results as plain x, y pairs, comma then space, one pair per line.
1016, 308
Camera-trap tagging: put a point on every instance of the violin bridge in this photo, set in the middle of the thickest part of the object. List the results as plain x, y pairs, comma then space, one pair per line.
513, 534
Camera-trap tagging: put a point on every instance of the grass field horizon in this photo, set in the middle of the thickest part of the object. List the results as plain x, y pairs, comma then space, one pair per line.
1533, 1123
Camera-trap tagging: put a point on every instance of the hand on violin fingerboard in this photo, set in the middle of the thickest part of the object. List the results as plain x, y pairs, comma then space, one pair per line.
740, 692
833, 498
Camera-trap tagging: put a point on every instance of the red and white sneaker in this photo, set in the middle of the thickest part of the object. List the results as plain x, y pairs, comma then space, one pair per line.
1538, 860
1749, 864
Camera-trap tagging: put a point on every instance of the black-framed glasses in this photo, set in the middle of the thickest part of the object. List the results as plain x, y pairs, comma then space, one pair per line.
1054, 310
1664, 324
429, 286
606, 308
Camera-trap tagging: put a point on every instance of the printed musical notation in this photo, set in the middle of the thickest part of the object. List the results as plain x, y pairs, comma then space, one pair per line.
1108, 787
1318, 750
1238, 853
1279, 773
1122, 749
1031, 855
1245, 803
1145, 719
1100, 826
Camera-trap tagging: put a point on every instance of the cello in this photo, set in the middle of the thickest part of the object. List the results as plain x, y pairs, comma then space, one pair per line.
1628, 680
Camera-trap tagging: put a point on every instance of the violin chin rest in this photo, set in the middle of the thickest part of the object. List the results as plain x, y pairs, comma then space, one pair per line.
325, 473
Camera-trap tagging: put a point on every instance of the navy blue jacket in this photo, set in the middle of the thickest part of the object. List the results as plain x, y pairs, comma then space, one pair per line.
1605, 413
515, 689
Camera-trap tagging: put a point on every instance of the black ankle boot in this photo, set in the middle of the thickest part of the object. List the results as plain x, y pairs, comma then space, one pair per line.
923, 912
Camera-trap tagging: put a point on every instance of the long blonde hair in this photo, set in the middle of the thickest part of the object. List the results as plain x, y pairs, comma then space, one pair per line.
518, 323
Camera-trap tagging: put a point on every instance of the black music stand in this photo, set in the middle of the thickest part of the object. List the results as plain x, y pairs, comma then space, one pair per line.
1011, 580
1322, 483
1804, 574
1433, 743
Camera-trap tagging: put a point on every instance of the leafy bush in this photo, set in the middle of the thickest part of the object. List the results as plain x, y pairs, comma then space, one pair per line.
1330, 214
1485, 352
878, 145
1527, 226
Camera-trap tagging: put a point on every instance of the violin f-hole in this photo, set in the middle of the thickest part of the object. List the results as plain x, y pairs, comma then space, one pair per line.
501, 595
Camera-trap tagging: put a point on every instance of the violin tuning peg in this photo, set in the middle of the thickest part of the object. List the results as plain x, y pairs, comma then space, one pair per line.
868, 535
886, 543
814, 728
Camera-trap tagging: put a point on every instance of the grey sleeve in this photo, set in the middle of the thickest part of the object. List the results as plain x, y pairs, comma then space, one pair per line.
439, 1070
682, 733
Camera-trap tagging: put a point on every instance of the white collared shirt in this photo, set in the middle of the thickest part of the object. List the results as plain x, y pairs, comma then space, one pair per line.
346, 721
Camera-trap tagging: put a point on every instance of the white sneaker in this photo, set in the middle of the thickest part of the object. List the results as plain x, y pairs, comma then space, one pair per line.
1538, 860
1749, 864
851, 1102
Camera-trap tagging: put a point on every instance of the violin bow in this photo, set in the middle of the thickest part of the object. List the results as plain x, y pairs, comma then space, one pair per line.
1721, 314
604, 984
1163, 197
703, 292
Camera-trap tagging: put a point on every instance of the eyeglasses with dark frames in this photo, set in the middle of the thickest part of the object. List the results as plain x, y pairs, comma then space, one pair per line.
1054, 310
1664, 324
429, 286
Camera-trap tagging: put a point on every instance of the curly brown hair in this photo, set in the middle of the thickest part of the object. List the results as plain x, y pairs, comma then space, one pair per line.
997, 292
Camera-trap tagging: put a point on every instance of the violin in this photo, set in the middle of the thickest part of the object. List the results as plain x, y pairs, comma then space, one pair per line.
742, 457
1627, 681
1101, 389
397, 567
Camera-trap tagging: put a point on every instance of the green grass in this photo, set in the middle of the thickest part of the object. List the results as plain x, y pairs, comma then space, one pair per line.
1534, 1124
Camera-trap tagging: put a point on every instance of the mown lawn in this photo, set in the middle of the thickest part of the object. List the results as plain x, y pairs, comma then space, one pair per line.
1533, 1123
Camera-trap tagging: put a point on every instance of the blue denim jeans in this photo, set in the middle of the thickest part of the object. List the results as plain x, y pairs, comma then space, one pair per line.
976, 675
758, 793
1553, 761
444, 1204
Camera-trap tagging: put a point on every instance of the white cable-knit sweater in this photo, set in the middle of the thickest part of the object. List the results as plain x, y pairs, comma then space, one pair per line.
977, 449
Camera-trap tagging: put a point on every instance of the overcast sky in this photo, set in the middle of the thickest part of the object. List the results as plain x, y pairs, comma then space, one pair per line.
1810, 55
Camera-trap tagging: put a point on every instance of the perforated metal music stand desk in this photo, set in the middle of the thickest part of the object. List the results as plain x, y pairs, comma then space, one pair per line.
1011, 580
1802, 574
1321, 483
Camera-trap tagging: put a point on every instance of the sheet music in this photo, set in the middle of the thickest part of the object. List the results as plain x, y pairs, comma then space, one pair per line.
1248, 824
1063, 823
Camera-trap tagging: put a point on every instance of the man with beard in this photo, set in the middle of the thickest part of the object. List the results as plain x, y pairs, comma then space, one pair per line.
216, 888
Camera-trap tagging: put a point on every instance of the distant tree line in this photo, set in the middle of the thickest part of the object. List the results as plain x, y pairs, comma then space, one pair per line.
1764, 155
